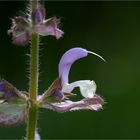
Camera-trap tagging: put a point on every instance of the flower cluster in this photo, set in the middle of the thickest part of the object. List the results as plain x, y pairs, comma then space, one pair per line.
14, 104
22, 27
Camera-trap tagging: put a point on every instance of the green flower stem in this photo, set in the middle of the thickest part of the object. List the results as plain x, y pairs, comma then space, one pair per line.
32, 121
34, 62
33, 87
33, 83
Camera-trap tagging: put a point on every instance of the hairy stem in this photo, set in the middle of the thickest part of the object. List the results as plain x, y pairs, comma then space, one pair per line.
32, 120
33, 87
33, 83
34, 62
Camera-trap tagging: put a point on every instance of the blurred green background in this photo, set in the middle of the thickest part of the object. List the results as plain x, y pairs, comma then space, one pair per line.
111, 29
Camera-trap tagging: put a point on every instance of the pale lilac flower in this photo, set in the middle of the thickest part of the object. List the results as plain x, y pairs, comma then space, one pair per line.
56, 97
23, 27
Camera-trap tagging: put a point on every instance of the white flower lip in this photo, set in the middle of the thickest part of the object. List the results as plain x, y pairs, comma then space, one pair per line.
87, 88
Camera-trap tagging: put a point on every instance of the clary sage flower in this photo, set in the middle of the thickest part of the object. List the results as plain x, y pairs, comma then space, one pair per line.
14, 103
22, 27
56, 97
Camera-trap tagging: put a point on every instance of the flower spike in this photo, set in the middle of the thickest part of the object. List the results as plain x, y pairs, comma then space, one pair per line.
61, 87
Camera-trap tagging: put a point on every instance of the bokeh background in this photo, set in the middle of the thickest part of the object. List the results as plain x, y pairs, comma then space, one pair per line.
111, 29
